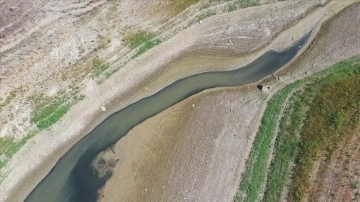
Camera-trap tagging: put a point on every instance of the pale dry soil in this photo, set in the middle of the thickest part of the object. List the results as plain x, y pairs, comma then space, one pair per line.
196, 150
54, 48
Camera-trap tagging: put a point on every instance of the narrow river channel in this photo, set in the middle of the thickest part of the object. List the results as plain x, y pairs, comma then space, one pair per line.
72, 179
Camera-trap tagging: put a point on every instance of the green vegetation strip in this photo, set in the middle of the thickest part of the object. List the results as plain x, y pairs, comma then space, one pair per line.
148, 45
344, 74
286, 142
48, 110
99, 66
9, 146
143, 40
137, 39
242, 4
254, 177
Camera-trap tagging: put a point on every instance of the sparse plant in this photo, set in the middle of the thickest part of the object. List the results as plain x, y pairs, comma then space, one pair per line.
99, 66
148, 45
135, 40
205, 15
232, 7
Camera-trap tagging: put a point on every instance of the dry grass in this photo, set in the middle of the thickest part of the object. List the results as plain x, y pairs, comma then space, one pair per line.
331, 118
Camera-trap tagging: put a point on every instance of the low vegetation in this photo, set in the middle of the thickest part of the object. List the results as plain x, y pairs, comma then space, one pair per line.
99, 66
246, 3
285, 148
147, 45
242, 4
46, 111
327, 115
49, 109
256, 166
135, 40
143, 41
207, 14
8, 147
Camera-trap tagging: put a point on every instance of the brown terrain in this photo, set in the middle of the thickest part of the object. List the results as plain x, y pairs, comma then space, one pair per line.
195, 150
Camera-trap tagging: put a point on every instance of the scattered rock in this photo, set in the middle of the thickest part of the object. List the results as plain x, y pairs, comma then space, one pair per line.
260, 87
102, 108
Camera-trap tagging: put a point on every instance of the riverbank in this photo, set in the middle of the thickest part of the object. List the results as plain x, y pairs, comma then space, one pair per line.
30, 156
187, 151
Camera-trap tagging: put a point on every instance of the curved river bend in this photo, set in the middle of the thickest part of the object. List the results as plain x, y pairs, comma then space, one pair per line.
72, 179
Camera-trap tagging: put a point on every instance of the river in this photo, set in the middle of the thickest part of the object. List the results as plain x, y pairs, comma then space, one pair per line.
72, 178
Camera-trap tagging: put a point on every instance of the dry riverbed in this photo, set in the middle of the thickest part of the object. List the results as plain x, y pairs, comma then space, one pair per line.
73, 35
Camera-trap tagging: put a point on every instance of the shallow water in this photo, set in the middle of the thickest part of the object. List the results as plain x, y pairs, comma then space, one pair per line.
72, 179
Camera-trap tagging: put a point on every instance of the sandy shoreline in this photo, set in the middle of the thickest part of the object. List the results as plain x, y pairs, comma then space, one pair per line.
35, 154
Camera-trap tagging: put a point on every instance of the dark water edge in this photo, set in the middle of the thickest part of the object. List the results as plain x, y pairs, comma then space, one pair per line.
72, 178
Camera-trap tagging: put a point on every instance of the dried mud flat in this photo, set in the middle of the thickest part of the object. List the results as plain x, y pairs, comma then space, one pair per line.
28, 63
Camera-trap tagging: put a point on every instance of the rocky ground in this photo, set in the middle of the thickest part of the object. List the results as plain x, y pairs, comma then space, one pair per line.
49, 50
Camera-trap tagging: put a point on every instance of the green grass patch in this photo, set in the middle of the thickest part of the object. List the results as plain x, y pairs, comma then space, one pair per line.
148, 45
285, 148
138, 39
143, 40
9, 146
242, 4
48, 110
50, 115
246, 3
99, 66
232, 7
